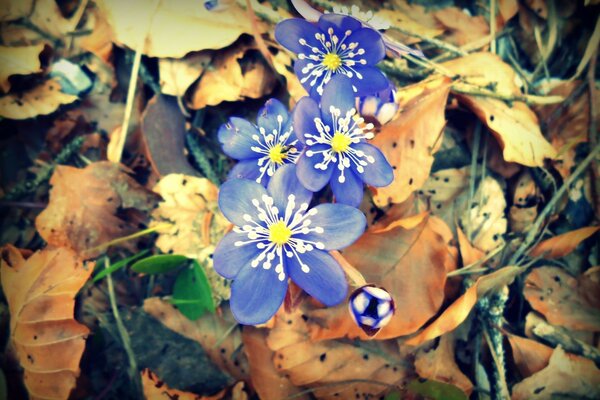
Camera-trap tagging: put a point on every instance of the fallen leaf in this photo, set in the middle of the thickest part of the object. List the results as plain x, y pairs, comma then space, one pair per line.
236, 73
404, 20
174, 28
566, 375
554, 293
330, 367
177, 75
40, 291
561, 245
100, 37
469, 254
11, 10
462, 28
283, 64
516, 127
439, 365
22, 60
525, 203
48, 18
446, 192
269, 383
589, 286
409, 141
216, 335
41, 100
411, 264
155, 389
82, 212
458, 311
529, 356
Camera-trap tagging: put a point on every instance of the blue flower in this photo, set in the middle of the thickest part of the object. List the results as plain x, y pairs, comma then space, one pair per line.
260, 149
276, 237
336, 150
336, 45
380, 107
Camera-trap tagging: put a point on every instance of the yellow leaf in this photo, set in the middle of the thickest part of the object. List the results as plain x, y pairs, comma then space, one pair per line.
18, 61
11, 9
41, 100
529, 356
177, 75
40, 291
561, 245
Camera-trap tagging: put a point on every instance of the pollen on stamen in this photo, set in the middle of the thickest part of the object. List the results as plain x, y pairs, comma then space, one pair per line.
305, 268
302, 41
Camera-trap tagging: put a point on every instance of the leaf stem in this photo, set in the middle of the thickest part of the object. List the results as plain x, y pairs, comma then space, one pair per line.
136, 235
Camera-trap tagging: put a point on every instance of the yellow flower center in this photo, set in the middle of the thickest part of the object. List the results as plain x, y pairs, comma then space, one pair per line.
332, 61
279, 233
276, 154
340, 142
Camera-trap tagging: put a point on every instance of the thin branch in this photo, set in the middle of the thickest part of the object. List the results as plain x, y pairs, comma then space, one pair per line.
556, 336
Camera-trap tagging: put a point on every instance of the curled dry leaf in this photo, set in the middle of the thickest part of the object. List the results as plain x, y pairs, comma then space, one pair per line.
439, 365
100, 37
561, 245
447, 191
211, 331
529, 356
174, 28
237, 72
516, 127
82, 212
566, 375
333, 368
40, 291
41, 100
190, 206
47, 17
558, 296
409, 141
469, 254
411, 263
23, 60
458, 311
177, 75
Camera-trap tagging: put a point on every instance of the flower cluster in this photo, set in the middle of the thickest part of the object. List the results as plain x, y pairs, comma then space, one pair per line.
286, 157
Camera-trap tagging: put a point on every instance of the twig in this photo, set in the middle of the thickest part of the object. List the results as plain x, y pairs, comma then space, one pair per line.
22, 204
127, 238
473, 173
125, 339
556, 336
465, 88
493, 26
436, 42
201, 159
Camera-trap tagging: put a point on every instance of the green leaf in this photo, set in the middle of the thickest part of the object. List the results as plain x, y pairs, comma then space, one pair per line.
118, 265
436, 390
159, 264
393, 396
192, 285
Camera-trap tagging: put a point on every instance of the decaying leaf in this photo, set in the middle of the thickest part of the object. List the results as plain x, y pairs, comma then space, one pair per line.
525, 203
23, 60
177, 75
283, 64
82, 212
11, 10
556, 294
41, 100
462, 28
529, 356
41, 291
409, 141
174, 28
155, 389
469, 254
446, 191
458, 311
561, 245
566, 375
47, 17
516, 127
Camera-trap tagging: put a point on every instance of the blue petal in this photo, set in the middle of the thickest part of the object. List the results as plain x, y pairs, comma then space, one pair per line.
290, 31
338, 93
325, 280
351, 191
236, 138
378, 174
285, 182
311, 178
342, 225
298, 66
246, 169
303, 116
267, 116
370, 40
228, 258
256, 295
372, 80
340, 24
235, 199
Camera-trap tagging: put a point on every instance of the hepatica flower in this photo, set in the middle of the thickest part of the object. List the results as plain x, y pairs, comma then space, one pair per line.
336, 150
261, 149
335, 45
380, 107
276, 237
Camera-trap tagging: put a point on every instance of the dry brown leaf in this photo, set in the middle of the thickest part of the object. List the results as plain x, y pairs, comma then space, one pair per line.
174, 28
40, 291
41, 100
516, 127
462, 28
556, 294
330, 366
156, 389
23, 60
11, 10
48, 18
100, 37
405, 21
283, 64
458, 311
269, 383
177, 75
561, 245
409, 141
82, 212
446, 192
589, 286
469, 254
411, 264
529, 356
525, 203
227, 80
211, 331
566, 375
439, 365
